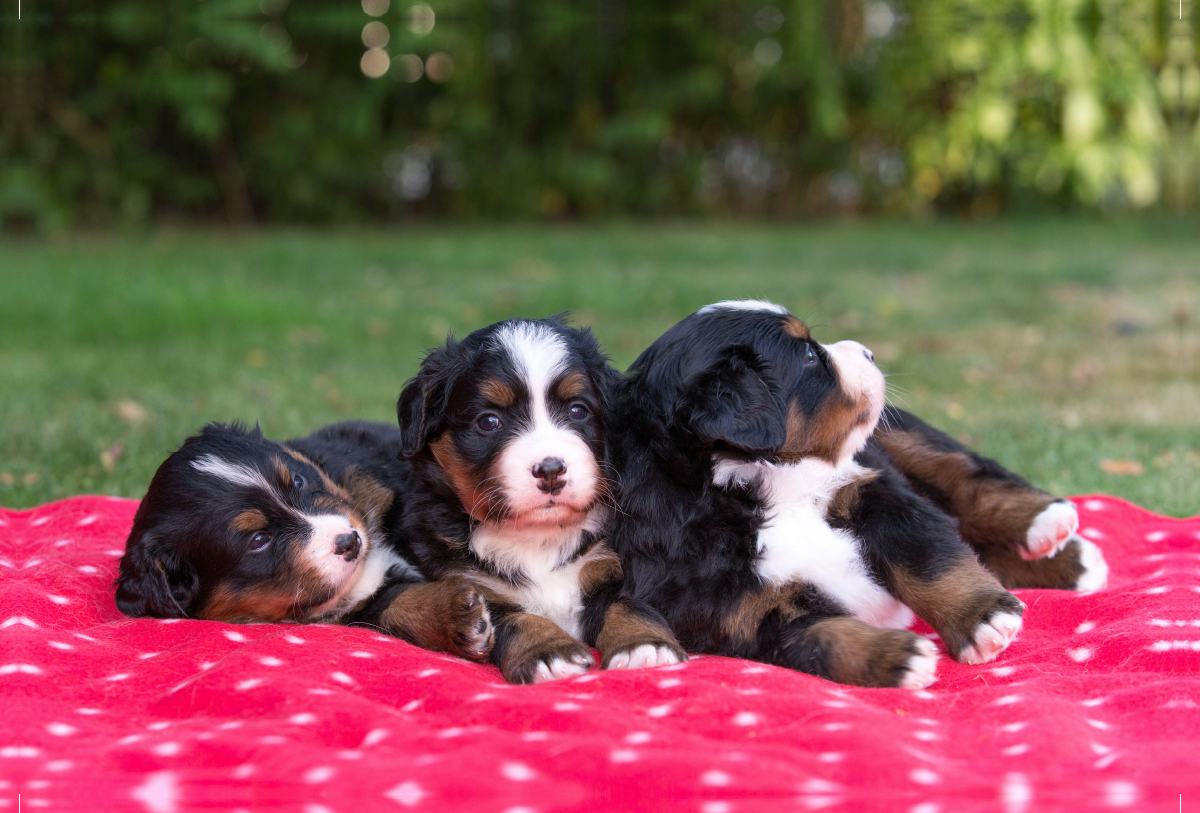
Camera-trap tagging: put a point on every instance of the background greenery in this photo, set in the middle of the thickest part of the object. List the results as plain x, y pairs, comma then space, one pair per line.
1068, 349
126, 110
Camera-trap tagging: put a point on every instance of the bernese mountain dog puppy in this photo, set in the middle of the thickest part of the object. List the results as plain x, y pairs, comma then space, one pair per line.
236, 527
505, 432
766, 517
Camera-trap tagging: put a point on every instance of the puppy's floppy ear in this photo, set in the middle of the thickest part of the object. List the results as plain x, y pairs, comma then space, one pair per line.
425, 398
154, 581
733, 403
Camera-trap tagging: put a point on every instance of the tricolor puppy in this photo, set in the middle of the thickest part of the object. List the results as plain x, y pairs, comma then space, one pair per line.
505, 433
236, 527
762, 519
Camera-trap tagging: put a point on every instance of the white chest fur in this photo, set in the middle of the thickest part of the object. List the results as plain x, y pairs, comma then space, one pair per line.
549, 588
796, 543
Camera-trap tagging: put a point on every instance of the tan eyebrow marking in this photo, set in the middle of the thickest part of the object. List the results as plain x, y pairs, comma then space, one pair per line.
247, 521
498, 393
283, 472
571, 385
795, 328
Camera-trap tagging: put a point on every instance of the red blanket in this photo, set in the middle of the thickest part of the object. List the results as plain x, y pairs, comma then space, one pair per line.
1096, 705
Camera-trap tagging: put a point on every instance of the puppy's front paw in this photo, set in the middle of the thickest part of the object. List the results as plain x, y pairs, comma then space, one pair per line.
551, 660
1051, 531
468, 623
921, 668
991, 638
645, 655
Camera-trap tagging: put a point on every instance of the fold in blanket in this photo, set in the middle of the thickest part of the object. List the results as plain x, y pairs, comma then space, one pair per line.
1096, 706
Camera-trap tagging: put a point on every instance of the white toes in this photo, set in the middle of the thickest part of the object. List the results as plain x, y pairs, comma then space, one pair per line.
481, 640
557, 669
644, 656
1095, 569
992, 637
1051, 530
922, 667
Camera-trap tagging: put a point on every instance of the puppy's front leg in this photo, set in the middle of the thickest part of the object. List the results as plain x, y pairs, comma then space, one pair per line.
629, 633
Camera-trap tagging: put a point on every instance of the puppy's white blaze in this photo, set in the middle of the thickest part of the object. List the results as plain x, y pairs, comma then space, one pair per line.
540, 356
859, 378
744, 305
233, 473
797, 544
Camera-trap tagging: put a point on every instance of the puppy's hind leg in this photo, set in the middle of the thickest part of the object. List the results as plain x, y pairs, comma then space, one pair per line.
846, 650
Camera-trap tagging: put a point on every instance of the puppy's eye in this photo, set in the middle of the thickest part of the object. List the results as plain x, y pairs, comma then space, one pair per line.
488, 423
259, 542
810, 355
578, 412
297, 481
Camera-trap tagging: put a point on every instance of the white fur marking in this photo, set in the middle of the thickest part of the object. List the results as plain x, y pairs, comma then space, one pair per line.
797, 544
644, 656
231, 472
1095, 569
744, 305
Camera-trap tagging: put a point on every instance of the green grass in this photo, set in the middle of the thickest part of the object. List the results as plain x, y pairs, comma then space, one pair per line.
1051, 346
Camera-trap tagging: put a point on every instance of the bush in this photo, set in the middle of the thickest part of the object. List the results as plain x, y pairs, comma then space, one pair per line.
260, 110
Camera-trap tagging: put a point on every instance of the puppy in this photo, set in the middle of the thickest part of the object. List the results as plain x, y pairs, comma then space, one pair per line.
236, 527
505, 435
762, 519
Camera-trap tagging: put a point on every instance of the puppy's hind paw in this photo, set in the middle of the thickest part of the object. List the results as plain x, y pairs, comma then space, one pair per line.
991, 638
1095, 568
1051, 530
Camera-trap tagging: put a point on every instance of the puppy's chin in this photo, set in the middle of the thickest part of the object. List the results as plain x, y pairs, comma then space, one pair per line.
325, 598
552, 514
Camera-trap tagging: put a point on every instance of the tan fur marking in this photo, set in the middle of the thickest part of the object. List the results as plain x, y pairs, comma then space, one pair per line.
824, 434
330, 486
1058, 572
259, 603
459, 475
571, 385
862, 655
599, 572
248, 521
741, 626
437, 615
498, 393
991, 513
795, 328
371, 497
847, 499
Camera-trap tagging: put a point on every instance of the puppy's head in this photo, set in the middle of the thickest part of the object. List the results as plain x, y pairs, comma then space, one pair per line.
746, 379
235, 527
510, 422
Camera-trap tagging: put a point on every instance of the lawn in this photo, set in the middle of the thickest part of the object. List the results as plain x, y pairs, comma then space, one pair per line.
1067, 349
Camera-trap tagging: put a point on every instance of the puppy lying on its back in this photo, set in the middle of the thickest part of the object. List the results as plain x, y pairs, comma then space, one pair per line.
764, 519
236, 527
506, 435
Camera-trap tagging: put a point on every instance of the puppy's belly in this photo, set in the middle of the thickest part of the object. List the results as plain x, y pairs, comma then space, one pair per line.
796, 544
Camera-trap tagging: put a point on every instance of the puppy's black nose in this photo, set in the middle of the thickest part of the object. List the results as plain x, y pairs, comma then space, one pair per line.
348, 546
870, 356
548, 474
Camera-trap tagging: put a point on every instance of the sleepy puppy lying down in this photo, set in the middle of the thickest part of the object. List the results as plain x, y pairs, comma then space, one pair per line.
236, 527
766, 516
506, 437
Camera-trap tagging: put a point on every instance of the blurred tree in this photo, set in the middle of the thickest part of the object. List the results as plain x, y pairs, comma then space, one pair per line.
121, 110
